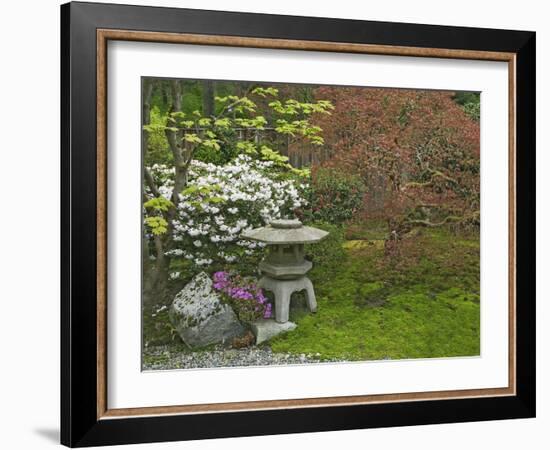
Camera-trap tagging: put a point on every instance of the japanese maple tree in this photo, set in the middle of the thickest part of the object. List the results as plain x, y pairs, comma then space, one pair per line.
420, 147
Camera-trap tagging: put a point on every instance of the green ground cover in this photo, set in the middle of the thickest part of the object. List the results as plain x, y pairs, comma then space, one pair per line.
424, 304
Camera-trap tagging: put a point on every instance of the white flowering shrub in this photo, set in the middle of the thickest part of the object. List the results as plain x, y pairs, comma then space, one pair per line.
220, 203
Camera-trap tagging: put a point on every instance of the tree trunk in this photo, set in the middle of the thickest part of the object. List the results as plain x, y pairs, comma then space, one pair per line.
208, 98
149, 275
164, 243
181, 158
147, 91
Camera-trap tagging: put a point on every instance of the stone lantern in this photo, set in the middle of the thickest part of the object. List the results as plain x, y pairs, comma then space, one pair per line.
284, 268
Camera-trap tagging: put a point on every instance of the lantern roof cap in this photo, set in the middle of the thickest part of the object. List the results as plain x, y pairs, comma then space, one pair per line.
285, 232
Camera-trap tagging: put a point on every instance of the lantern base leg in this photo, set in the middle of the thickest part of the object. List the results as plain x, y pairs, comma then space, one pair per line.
310, 295
283, 289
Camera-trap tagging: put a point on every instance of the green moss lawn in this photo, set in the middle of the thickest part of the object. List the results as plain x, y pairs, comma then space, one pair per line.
423, 304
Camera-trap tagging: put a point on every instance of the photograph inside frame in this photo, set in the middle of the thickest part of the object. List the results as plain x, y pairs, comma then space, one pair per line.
301, 224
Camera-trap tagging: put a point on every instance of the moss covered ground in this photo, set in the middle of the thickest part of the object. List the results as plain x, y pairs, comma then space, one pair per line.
421, 304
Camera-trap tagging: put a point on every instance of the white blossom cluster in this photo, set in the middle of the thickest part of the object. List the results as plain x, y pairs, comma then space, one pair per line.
221, 202
163, 177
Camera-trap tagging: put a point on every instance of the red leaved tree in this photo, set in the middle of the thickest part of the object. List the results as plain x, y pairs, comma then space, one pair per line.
417, 151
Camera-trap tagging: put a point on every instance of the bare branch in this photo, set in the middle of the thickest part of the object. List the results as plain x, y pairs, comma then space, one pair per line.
435, 174
448, 219
150, 182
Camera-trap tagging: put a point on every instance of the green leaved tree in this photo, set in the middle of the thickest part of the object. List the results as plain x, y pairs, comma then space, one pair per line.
233, 121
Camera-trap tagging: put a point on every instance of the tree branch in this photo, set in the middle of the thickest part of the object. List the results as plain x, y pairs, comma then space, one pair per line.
435, 174
446, 220
150, 182
227, 108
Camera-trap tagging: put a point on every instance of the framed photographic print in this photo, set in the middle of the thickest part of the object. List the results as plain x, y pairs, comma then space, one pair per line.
277, 224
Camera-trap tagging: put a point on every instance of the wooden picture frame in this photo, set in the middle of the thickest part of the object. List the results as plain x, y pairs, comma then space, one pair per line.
86, 418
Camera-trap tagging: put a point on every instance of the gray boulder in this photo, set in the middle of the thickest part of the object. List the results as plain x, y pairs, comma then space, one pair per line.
200, 317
